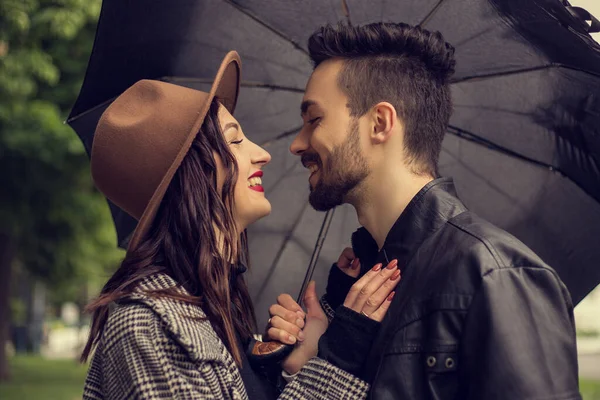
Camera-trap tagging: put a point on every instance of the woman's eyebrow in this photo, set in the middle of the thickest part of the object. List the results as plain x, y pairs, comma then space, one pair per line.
230, 125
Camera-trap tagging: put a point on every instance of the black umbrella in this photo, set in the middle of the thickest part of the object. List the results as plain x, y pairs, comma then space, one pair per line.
523, 145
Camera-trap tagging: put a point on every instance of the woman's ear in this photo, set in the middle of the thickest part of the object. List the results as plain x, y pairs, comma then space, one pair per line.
384, 120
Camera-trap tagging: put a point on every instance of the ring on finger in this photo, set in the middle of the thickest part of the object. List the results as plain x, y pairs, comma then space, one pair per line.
365, 314
269, 321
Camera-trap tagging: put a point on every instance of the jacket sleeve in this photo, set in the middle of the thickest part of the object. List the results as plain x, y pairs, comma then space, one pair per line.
329, 311
338, 286
519, 338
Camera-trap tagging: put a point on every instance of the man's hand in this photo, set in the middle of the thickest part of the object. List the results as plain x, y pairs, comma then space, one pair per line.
348, 263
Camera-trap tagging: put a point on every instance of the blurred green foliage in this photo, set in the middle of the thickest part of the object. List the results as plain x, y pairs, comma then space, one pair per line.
48, 204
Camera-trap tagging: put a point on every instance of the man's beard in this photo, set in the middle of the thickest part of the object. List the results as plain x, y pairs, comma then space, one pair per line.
346, 168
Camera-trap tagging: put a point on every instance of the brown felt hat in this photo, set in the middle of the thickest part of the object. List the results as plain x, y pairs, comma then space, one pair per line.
143, 136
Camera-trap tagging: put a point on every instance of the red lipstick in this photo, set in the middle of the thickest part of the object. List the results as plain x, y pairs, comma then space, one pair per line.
257, 188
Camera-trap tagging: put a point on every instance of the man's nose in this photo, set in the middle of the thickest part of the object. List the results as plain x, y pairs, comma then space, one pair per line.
299, 144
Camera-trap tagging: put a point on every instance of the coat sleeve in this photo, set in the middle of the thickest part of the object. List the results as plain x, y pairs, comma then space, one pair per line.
139, 360
519, 338
321, 380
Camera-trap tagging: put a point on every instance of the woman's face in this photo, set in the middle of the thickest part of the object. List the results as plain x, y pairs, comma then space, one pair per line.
249, 197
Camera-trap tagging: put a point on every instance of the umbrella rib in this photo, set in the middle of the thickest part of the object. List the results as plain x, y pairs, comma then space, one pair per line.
520, 71
346, 11
433, 11
73, 118
471, 137
269, 86
175, 79
249, 84
280, 136
491, 145
282, 177
264, 24
490, 182
286, 239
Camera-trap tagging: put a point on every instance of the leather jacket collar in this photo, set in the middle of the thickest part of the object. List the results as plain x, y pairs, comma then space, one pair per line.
428, 211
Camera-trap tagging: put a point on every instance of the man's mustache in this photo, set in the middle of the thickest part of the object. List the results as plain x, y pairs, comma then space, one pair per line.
310, 158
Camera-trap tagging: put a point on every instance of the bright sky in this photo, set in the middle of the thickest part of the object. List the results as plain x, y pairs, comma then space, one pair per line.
593, 6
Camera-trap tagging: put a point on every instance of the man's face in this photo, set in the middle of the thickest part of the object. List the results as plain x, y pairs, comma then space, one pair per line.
330, 141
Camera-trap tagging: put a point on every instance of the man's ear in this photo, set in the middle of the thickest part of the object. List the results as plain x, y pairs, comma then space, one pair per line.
384, 121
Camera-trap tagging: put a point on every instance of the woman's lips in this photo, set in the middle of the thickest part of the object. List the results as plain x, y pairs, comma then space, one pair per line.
255, 182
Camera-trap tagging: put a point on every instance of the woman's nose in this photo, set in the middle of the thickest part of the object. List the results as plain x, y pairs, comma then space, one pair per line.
262, 156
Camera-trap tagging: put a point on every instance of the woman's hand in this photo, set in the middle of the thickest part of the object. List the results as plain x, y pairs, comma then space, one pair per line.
286, 326
286, 322
371, 296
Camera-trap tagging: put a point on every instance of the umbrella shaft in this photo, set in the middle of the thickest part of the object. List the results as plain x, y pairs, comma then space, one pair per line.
316, 252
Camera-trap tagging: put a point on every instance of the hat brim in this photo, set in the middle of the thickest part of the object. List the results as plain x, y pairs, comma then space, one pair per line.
225, 87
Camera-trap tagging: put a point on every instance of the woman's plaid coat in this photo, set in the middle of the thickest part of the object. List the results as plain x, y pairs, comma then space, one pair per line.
158, 349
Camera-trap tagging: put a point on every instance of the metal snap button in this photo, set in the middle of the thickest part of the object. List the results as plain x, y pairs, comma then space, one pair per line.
450, 362
431, 361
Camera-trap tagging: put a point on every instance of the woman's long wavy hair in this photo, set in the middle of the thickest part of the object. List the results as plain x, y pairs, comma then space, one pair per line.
194, 240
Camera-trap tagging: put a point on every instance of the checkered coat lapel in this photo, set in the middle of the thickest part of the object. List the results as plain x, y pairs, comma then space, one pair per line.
185, 322
157, 348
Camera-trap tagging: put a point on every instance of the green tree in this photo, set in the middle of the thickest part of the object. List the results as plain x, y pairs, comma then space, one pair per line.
51, 217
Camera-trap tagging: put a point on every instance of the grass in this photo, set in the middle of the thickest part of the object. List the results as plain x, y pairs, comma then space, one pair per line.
36, 378
588, 333
590, 390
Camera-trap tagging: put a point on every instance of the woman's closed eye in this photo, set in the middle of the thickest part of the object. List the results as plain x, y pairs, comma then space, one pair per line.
237, 141
314, 120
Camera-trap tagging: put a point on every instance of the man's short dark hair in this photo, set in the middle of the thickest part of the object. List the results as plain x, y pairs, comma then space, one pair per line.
404, 65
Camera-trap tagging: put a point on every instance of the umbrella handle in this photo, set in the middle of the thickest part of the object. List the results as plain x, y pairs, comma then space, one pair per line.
263, 355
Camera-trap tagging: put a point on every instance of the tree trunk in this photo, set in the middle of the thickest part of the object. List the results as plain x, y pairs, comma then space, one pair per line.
6, 257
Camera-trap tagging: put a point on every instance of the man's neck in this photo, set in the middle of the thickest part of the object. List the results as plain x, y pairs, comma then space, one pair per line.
383, 199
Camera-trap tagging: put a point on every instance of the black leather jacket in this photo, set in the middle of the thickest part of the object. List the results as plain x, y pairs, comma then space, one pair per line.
477, 315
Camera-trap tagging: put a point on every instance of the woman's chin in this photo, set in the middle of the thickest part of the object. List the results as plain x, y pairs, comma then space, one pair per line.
266, 211
257, 214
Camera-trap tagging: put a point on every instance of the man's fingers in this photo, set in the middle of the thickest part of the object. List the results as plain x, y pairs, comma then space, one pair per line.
354, 269
368, 284
378, 314
379, 296
345, 260
287, 315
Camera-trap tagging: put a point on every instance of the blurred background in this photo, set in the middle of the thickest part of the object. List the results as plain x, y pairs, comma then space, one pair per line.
57, 238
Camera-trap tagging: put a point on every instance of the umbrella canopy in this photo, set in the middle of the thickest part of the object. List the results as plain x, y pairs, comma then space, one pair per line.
523, 143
